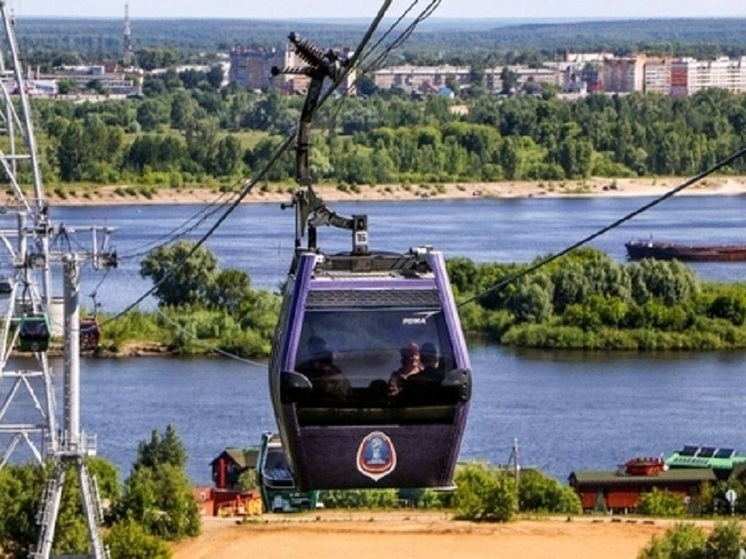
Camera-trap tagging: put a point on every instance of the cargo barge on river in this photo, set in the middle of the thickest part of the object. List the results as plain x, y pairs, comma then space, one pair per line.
637, 250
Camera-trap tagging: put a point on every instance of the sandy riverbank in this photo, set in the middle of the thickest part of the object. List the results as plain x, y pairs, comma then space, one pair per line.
419, 536
110, 195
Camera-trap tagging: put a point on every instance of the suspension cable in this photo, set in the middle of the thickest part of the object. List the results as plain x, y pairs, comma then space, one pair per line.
282, 148
686, 184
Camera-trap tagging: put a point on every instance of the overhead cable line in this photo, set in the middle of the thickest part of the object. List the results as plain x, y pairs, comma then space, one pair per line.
696, 178
282, 148
216, 205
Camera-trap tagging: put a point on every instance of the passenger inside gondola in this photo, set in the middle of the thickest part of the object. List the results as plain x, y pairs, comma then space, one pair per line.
328, 382
356, 360
410, 366
419, 379
428, 382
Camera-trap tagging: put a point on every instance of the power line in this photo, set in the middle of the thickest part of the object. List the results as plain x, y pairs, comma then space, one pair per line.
286, 143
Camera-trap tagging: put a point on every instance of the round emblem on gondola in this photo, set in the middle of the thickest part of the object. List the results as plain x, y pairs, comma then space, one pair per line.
376, 457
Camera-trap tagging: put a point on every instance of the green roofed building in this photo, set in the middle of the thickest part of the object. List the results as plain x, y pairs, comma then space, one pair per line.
619, 491
721, 460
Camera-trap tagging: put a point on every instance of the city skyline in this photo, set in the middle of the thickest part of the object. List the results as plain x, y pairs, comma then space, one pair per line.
295, 9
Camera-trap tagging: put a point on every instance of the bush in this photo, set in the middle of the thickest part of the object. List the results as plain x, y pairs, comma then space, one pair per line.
686, 541
129, 540
541, 493
484, 493
683, 541
661, 503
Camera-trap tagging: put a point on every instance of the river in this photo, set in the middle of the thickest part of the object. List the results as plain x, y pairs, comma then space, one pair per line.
568, 410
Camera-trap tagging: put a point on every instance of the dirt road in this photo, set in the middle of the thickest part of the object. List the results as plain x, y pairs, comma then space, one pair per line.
330, 535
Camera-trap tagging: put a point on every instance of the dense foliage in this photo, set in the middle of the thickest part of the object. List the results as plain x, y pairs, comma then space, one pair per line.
178, 136
687, 541
156, 504
586, 300
661, 503
202, 308
437, 40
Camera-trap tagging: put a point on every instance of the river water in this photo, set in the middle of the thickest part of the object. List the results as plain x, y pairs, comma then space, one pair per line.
568, 410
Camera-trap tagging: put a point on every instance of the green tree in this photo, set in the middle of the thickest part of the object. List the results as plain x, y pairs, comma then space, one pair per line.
227, 157
731, 307
20, 494
21, 489
67, 86
129, 540
683, 541
484, 493
661, 503
725, 540
183, 108
182, 273
160, 500
151, 113
532, 300
95, 86
669, 281
215, 76
230, 288
540, 493
157, 494
161, 450
509, 81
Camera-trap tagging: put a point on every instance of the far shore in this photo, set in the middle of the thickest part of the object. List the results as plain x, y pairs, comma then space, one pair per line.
132, 194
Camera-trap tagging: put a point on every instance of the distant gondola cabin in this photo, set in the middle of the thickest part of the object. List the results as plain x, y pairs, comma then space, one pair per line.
90, 333
34, 333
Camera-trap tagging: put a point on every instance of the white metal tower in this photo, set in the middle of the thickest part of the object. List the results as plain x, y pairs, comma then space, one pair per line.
27, 413
27, 396
128, 55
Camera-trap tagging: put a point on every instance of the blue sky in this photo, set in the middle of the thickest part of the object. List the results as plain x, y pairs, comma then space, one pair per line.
280, 9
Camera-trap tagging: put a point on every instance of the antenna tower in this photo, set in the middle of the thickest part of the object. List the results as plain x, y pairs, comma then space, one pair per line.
27, 396
128, 56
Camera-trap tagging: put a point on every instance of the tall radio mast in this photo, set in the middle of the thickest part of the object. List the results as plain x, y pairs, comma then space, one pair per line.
128, 56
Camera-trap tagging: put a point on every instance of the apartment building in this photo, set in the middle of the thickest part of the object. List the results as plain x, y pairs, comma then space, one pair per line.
623, 75
689, 75
252, 69
657, 74
421, 78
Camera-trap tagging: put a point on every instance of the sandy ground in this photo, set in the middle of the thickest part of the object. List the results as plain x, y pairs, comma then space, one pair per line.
418, 536
274, 193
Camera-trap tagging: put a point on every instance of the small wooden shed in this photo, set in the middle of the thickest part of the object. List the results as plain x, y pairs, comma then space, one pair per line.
230, 464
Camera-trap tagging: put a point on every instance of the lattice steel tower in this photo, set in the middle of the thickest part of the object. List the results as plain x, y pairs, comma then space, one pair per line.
28, 419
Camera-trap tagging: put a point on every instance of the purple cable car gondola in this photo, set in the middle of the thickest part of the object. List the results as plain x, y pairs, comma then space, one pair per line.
345, 320
348, 413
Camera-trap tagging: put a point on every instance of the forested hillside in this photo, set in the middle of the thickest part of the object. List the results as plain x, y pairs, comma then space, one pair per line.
469, 42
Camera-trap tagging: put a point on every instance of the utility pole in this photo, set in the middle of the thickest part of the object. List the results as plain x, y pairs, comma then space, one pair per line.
515, 461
